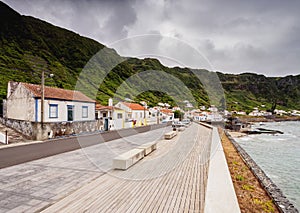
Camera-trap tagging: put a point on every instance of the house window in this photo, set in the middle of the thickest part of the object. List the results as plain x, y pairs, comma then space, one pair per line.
141, 114
70, 112
104, 115
53, 111
85, 111
119, 116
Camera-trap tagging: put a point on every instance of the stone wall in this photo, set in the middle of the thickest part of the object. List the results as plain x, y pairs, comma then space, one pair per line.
283, 204
52, 130
23, 127
37, 131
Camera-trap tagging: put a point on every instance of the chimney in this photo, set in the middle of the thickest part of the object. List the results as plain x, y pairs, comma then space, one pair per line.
110, 102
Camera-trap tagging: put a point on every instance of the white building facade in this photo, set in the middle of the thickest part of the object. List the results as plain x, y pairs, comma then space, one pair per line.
134, 112
60, 105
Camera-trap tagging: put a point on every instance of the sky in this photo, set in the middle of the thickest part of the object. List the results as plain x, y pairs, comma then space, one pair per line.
232, 36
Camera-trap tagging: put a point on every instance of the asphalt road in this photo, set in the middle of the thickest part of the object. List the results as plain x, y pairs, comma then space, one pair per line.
20, 154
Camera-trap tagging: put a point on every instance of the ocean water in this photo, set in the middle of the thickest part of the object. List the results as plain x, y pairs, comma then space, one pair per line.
278, 155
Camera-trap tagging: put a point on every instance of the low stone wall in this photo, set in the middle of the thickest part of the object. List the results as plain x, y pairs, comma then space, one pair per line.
52, 130
37, 131
23, 127
283, 204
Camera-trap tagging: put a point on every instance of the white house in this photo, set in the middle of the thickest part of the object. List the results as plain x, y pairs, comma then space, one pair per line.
113, 117
133, 112
60, 105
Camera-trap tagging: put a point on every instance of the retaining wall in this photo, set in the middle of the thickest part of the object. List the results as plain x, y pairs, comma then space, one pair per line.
37, 131
220, 194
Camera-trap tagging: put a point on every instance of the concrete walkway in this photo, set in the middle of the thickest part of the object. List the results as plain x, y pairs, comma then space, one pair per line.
186, 174
171, 179
33, 186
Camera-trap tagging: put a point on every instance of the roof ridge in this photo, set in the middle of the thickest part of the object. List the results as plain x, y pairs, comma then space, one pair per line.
38, 85
57, 93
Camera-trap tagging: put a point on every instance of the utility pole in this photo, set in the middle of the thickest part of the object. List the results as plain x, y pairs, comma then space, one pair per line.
42, 97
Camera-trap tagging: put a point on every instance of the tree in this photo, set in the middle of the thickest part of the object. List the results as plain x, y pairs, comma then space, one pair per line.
178, 114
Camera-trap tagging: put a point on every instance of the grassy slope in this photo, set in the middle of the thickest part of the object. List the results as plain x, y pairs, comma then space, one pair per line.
28, 45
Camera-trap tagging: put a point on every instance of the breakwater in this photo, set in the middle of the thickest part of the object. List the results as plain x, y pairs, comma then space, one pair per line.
283, 204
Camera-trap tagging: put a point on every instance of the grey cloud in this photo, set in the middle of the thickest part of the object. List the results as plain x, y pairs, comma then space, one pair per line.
105, 21
236, 36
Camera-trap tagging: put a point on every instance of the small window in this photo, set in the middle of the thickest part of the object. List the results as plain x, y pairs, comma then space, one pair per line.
85, 111
53, 111
119, 116
70, 112
141, 114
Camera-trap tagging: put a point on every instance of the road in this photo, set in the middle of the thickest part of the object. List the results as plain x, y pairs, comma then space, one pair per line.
20, 154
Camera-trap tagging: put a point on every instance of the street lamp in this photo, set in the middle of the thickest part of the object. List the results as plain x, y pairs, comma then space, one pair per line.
43, 96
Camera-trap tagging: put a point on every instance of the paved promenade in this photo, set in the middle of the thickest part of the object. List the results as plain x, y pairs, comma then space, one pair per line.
172, 178
37, 184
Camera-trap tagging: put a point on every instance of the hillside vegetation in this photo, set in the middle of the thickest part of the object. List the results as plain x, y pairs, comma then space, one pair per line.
29, 45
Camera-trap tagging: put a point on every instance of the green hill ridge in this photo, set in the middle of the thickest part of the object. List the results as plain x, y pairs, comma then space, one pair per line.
28, 45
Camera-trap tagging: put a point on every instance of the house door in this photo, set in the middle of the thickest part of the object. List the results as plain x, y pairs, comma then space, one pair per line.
106, 121
70, 112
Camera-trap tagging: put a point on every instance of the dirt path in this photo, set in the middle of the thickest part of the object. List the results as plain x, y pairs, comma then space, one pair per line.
251, 196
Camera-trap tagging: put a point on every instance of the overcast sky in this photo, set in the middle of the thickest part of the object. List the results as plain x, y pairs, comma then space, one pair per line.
235, 36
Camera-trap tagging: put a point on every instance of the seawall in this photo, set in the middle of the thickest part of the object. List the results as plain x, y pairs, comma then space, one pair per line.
282, 203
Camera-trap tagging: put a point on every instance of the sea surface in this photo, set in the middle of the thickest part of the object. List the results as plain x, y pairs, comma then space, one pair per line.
278, 155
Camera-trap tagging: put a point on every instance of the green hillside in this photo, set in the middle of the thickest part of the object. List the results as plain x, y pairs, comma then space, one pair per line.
28, 45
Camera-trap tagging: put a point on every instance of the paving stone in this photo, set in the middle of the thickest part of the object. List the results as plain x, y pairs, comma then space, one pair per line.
34, 202
49, 179
2, 210
19, 209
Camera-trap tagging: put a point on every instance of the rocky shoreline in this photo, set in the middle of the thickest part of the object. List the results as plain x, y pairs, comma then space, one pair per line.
267, 119
282, 203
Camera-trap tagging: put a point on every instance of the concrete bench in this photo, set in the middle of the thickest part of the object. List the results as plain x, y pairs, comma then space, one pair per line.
127, 159
148, 147
170, 135
182, 128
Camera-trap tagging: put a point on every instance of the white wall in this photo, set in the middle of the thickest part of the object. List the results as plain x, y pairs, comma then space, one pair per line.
63, 111
21, 105
137, 115
118, 123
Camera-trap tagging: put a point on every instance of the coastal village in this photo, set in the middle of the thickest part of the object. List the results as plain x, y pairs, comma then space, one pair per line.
55, 112
149, 106
46, 113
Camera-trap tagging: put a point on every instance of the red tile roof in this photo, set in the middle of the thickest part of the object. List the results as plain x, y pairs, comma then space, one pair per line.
57, 93
167, 111
134, 106
101, 107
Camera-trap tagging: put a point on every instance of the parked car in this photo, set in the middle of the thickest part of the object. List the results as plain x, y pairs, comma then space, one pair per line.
186, 122
177, 124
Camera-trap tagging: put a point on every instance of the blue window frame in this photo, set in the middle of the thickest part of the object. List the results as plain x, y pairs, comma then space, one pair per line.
70, 115
53, 111
85, 111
